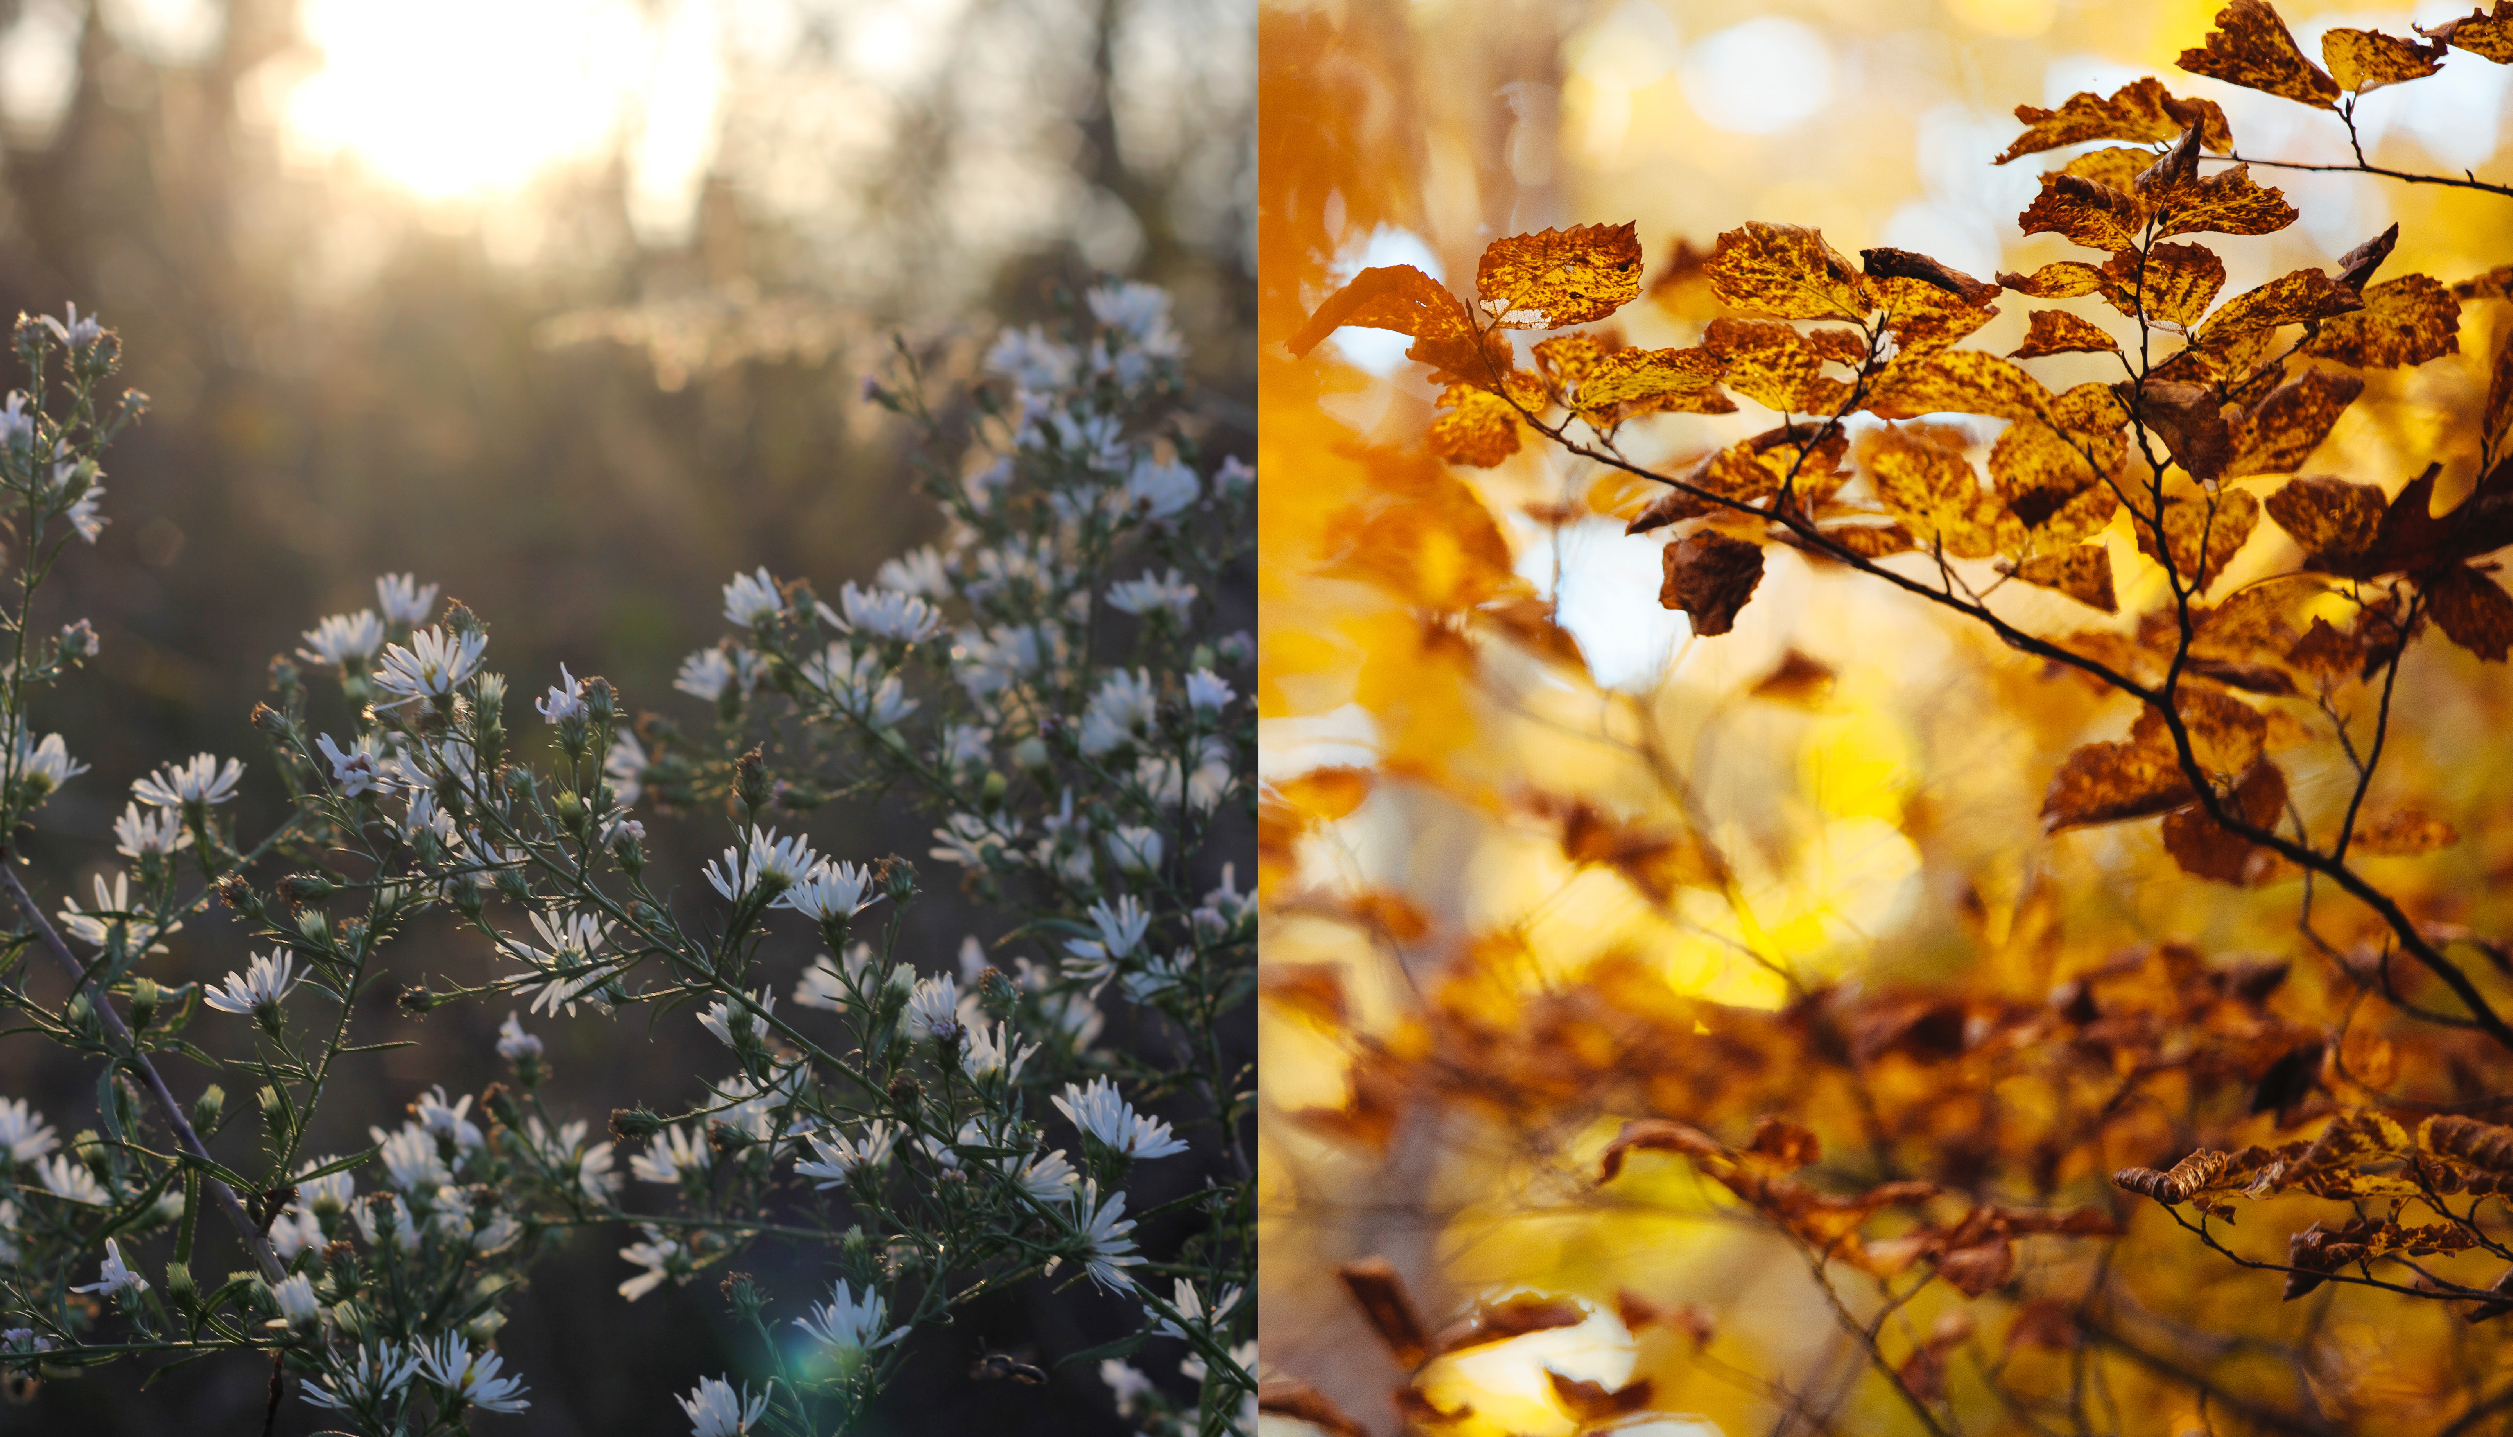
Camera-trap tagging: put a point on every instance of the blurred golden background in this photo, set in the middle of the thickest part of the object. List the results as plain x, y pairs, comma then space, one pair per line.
563, 304
1880, 817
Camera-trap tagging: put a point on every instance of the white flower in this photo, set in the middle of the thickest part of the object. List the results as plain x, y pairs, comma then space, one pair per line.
674, 1154
1141, 313
566, 1151
966, 744
513, 1043
564, 702
447, 1124
434, 664
1156, 976
726, 1020
859, 685
114, 1278
1213, 775
17, 427
85, 513
659, 1256
1108, 1246
1126, 1384
1208, 693
1044, 1178
113, 908
376, 1378
1162, 489
1190, 1305
704, 674
294, 1231
824, 984
345, 640
1124, 708
625, 767
933, 1009
1135, 849
468, 1379
24, 1132
410, 1159
776, 863
840, 1155
1031, 360
848, 1326
885, 613
78, 333
995, 1049
1105, 1117
297, 1304
716, 1410
45, 766
831, 890
751, 599
1234, 478
141, 832
1150, 595
327, 1195
1121, 931
259, 989
72, 1182
402, 600
919, 571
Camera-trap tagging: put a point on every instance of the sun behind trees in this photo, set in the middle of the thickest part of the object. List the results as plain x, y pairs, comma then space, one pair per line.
2058, 1183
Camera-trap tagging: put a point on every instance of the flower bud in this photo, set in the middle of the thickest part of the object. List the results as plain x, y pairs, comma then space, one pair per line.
238, 895
600, 703
78, 641
634, 1125
750, 781
208, 1108
180, 1289
269, 720
275, 1117
144, 997
1031, 754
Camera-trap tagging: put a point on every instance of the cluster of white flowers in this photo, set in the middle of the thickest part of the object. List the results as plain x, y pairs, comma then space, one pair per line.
1049, 695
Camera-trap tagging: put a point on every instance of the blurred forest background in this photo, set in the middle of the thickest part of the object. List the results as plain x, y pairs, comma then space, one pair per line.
1879, 797
564, 304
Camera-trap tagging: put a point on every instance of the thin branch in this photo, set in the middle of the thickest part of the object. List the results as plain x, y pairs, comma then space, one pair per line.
2465, 181
249, 1231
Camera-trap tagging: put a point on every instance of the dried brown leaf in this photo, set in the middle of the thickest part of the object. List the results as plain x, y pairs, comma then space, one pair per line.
2142, 112
1710, 577
2251, 47
1559, 277
1786, 271
2408, 320
2053, 331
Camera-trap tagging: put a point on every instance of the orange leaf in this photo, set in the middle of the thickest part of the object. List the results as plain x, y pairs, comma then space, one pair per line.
2205, 849
1559, 277
1887, 263
1644, 381
1710, 576
2055, 331
2402, 831
2088, 212
1479, 428
1404, 299
2083, 573
2472, 610
1964, 381
1934, 492
2481, 34
2307, 294
2107, 782
2367, 60
2326, 516
2202, 534
1766, 360
2251, 47
2177, 283
2408, 320
1786, 271
2225, 203
2141, 111
2281, 431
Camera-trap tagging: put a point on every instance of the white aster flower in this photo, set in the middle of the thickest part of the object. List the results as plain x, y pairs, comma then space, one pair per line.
433, 665
1190, 1305
1106, 1118
675, 1153
565, 700
1031, 360
994, 1049
885, 613
751, 599
298, 1306
1135, 848
1046, 1178
72, 1182
445, 1122
513, 1043
77, 333
1108, 1244
704, 674
662, 1258
468, 1380
86, 513
831, 890
729, 1021
113, 908
328, 1195
1156, 976
1208, 693
358, 768
114, 1277
716, 1410
45, 766
860, 685
850, 1327
24, 1132
1151, 595
1141, 313
140, 832
837, 1156
625, 767
259, 989
1161, 489
1123, 709
824, 985
402, 599
346, 641
1121, 931
293, 1231
378, 1376
411, 1160
1126, 1384
919, 571
566, 1152
933, 1009
774, 864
